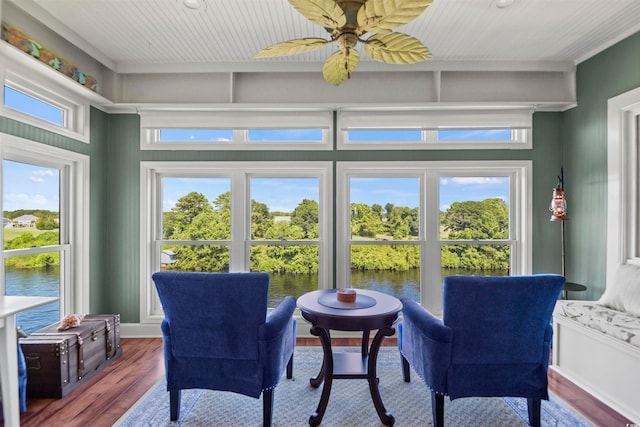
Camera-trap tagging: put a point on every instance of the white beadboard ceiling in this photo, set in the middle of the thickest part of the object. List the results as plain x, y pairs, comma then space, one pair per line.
135, 36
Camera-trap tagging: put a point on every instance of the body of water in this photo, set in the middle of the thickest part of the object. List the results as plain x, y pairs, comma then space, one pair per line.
35, 282
400, 284
46, 282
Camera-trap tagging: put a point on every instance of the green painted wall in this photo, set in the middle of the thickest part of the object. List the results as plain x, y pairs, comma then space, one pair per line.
98, 212
608, 74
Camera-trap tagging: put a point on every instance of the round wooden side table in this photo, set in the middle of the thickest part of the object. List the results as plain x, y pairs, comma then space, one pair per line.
372, 310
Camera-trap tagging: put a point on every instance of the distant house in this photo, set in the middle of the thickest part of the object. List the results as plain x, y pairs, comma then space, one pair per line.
25, 221
281, 219
167, 257
6, 222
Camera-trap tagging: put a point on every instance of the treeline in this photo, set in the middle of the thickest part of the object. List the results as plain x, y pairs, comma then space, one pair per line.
27, 240
194, 218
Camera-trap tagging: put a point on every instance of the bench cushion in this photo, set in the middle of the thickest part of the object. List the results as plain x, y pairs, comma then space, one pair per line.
615, 323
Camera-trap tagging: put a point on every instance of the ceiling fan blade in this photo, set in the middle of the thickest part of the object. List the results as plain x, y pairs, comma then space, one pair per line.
396, 48
291, 47
339, 66
379, 16
325, 13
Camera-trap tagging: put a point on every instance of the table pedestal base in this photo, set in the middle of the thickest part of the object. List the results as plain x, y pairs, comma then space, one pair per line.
350, 366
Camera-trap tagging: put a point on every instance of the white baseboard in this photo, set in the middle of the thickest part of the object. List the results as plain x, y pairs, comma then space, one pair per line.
140, 330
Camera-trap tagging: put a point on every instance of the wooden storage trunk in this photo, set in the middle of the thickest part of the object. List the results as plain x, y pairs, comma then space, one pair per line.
58, 362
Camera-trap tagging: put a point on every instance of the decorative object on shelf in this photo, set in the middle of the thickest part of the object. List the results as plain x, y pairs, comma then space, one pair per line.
346, 295
22, 41
558, 208
347, 21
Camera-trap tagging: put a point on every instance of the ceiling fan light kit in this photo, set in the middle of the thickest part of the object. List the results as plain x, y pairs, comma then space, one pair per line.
347, 21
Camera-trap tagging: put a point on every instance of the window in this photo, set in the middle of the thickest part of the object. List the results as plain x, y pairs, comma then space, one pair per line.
435, 129
43, 250
27, 104
401, 227
623, 163
236, 130
26, 99
217, 217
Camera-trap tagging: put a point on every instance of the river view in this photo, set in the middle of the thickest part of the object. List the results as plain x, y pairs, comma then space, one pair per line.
36, 282
401, 284
45, 282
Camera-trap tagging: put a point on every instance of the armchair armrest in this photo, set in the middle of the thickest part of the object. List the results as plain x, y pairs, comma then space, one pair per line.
430, 326
277, 319
426, 345
276, 340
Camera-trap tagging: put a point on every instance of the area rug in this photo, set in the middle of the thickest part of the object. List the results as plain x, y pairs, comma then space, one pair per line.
350, 403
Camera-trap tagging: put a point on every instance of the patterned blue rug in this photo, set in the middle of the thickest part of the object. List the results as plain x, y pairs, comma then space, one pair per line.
349, 405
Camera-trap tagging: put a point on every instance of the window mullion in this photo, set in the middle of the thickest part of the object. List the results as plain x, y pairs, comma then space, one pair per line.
240, 222
430, 289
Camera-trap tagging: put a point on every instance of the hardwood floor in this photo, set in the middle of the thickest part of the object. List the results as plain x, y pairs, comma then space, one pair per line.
108, 395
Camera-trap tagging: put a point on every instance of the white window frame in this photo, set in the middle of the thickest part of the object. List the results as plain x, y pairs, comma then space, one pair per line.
520, 121
152, 121
240, 173
75, 111
623, 213
74, 216
520, 214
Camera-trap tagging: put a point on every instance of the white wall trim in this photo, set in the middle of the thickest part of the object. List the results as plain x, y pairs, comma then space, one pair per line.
76, 296
622, 149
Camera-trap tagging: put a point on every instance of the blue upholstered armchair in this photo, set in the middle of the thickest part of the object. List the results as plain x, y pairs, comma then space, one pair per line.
217, 335
493, 340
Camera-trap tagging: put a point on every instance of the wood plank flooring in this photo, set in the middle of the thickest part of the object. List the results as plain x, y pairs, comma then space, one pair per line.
108, 395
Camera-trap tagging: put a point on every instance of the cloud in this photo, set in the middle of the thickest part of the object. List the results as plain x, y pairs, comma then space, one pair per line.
15, 201
43, 172
36, 179
477, 180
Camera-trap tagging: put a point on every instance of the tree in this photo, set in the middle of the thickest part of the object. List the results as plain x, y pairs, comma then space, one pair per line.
485, 220
365, 222
305, 216
190, 206
488, 219
377, 209
47, 223
260, 219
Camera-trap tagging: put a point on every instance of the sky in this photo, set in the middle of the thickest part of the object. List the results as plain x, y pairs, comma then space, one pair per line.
28, 186
284, 194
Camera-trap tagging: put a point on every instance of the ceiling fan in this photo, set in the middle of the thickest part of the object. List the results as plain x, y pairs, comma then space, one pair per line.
347, 21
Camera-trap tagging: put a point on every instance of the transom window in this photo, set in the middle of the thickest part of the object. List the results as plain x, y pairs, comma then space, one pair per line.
236, 130
35, 107
44, 105
435, 129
